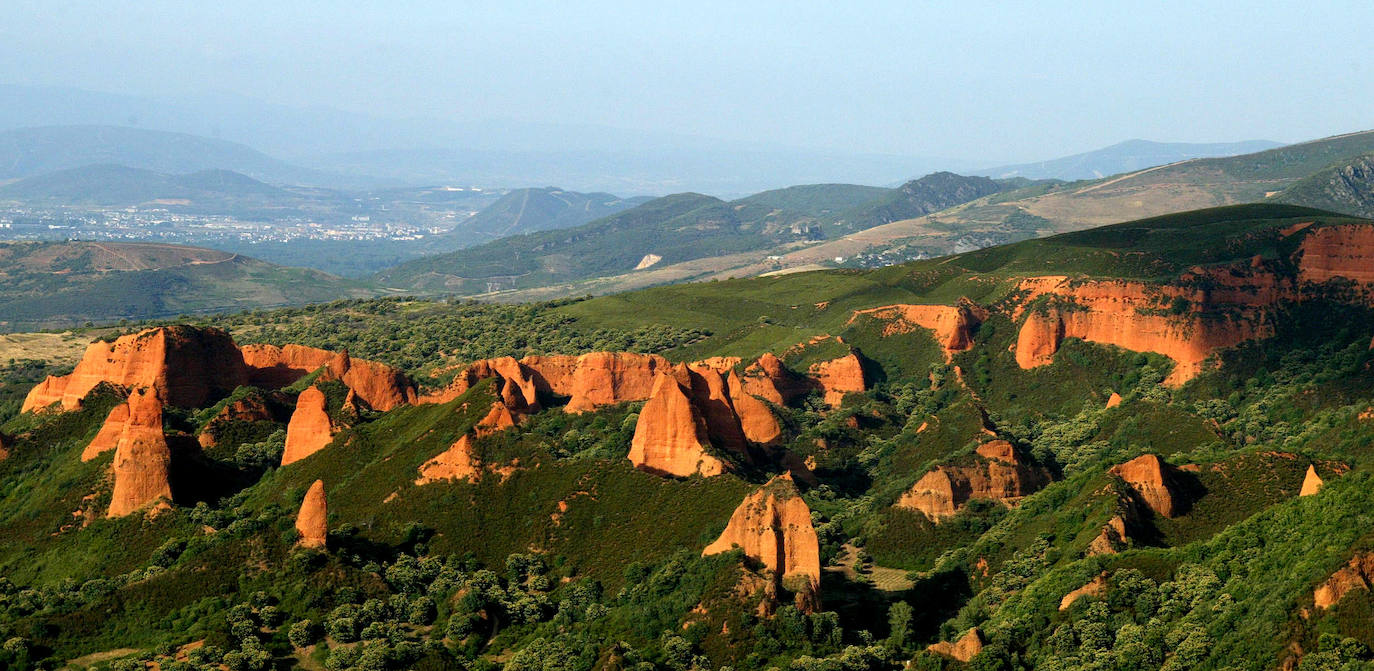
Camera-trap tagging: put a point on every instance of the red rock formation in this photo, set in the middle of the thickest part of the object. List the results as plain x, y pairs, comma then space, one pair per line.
458, 462
498, 419
838, 377
1142, 317
312, 520
1311, 483
952, 326
142, 459
310, 429
1332, 252
1112, 537
770, 380
186, 365
1357, 574
518, 389
246, 409
755, 417
1097, 587
1152, 480
773, 526
671, 436
601, 378
1004, 476
108, 437
712, 398
1113, 400
964, 650
379, 385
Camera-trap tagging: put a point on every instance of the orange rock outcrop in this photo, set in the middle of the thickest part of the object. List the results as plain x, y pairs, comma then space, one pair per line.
1311, 483
589, 381
1113, 536
965, 649
755, 417
310, 429
498, 419
770, 380
456, 463
838, 377
1113, 400
1004, 476
952, 326
187, 366
1355, 575
312, 519
1332, 252
107, 438
379, 385
671, 436
773, 526
142, 461
1096, 587
192, 366
1152, 480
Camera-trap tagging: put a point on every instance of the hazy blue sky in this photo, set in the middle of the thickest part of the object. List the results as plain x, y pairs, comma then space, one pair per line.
1013, 81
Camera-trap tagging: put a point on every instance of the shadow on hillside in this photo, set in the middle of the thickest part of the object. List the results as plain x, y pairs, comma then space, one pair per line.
934, 599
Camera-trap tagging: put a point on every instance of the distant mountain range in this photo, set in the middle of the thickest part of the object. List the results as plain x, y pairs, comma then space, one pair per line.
121, 185
532, 210
1127, 156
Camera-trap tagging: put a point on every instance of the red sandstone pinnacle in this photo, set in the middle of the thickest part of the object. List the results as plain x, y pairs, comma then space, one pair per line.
456, 463
1152, 480
670, 435
770, 380
108, 437
773, 526
1311, 483
310, 429
312, 519
142, 458
952, 326
755, 417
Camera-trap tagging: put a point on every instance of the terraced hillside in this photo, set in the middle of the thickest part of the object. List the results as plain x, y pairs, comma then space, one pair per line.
1137, 446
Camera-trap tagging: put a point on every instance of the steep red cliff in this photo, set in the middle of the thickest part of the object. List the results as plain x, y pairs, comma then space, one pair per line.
499, 418
670, 435
599, 378
712, 398
142, 458
186, 365
1153, 481
1003, 475
312, 519
518, 390
1330, 252
108, 437
310, 429
773, 526
755, 417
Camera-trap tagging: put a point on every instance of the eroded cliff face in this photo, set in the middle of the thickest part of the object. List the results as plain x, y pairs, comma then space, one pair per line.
1154, 482
191, 367
589, 381
770, 380
1356, 575
142, 460
671, 437
1184, 325
1311, 482
187, 366
773, 526
1004, 475
755, 417
1332, 252
1097, 587
379, 385
312, 519
310, 429
952, 326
